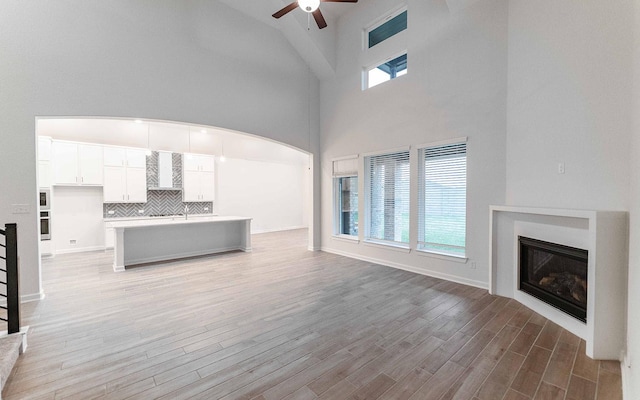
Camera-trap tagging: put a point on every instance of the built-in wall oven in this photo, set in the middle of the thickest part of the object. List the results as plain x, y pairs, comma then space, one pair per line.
45, 199
45, 214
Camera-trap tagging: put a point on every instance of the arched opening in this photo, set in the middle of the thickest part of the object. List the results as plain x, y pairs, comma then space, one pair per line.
250, 176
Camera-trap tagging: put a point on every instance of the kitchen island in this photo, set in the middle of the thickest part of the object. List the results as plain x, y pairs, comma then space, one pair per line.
145, 241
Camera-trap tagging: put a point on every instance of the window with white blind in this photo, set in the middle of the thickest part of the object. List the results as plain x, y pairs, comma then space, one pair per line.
387, 197
442, 199
345, 204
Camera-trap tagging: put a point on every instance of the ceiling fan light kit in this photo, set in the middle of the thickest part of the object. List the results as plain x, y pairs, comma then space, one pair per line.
310, 7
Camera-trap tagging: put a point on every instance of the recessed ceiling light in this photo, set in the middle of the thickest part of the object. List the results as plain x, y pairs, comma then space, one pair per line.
203, 131
138, 121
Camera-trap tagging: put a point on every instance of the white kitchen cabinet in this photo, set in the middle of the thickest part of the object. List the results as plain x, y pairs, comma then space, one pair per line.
125, 185
76, 163
44, 174
44, 162
44, 148
207, 186
124, 157
114, 156
136, 185
125, 175
198, 162
90, 164
115, 185
198, 178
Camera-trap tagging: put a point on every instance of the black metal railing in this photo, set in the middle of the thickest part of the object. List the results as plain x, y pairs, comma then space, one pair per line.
10, 261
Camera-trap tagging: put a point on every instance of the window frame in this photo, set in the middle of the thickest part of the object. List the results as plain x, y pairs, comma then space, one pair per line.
337, 198
366, 218
366, 69
420, 199
381, 21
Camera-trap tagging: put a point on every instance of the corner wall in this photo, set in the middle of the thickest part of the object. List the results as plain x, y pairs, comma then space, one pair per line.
196, 61
631, 366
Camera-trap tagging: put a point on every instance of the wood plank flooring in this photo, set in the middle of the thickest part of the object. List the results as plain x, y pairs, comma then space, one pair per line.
286, 323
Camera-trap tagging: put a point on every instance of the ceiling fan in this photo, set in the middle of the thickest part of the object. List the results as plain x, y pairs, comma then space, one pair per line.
310, 7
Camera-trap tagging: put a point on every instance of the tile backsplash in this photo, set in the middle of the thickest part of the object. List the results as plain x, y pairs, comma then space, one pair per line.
159, 202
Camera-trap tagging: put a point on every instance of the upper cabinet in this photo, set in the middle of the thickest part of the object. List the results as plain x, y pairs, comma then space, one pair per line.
198, 178
198, 162
124, 157
125, 172
76, 163
44, 161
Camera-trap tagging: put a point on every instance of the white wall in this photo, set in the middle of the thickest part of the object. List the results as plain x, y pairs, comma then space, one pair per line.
77, 215
631, 367
574, 95
569, 101
272, 194
197, 61
455, 87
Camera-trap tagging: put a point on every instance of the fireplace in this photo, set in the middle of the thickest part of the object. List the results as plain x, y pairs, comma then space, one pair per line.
555, 274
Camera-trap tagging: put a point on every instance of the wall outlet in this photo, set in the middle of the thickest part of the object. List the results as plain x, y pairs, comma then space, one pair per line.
20, 208
561, 168
474, 265
73, 241
140, 211
111, 212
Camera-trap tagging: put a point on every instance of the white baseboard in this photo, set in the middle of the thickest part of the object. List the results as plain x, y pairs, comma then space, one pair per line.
289, 228
80, 250
410, 268
27, 298
625, 371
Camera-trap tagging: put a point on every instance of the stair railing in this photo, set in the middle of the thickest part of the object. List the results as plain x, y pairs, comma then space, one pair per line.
10, 261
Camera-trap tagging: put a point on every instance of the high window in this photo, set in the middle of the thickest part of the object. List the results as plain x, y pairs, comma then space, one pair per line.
442, 198
387, 197
387, 71
391, 25
345, 187
377, 71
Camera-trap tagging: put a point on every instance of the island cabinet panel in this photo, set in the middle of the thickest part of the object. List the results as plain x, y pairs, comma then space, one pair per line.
125, 175
198, 178
141, 242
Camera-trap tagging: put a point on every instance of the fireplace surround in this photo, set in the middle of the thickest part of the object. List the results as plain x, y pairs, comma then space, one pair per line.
604, 234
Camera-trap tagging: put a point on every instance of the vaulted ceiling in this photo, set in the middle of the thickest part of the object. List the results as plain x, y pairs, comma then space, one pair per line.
316, 47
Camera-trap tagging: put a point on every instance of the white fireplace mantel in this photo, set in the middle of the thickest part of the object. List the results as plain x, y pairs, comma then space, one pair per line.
603, 233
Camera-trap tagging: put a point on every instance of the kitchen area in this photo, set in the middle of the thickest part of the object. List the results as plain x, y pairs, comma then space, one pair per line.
100, 178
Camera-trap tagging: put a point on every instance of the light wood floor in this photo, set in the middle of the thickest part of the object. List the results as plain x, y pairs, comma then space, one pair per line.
285, 323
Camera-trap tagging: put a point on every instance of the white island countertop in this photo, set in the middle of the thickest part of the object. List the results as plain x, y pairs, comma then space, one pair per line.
151, 240
177, 220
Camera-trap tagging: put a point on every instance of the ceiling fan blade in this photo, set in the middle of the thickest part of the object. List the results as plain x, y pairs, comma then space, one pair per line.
286, 10
339, 1
317, 15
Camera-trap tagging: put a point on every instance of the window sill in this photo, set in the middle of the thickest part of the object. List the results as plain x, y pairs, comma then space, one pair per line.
442, 256
346, 238
387, 245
